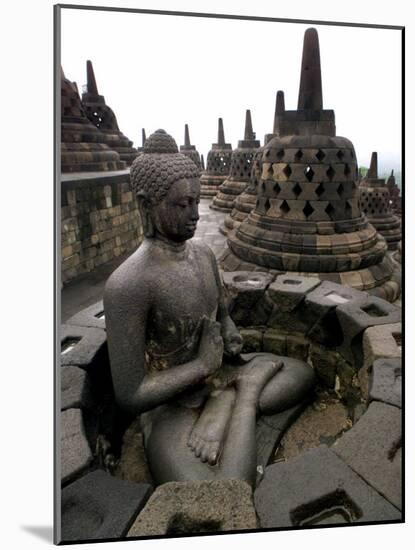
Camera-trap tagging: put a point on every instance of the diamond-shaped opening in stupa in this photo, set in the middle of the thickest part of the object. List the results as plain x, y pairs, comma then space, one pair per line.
277, 188
309, 173
287, 171
284, 207
329, 210
320, 189
308, 209
330, 173
297, 190
320, 155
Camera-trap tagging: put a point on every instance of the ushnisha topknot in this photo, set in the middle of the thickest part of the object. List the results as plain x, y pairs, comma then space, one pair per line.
159, 165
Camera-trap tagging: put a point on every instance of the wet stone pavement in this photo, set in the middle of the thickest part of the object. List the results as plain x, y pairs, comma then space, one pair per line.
88, 289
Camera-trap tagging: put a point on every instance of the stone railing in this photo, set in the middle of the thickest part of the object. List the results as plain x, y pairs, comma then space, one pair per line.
352, 340
99, 221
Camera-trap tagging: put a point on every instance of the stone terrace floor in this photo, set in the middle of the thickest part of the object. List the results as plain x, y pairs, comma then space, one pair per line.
88, 288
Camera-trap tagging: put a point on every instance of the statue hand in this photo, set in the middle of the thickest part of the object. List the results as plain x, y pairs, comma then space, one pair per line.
231, 337
211, 346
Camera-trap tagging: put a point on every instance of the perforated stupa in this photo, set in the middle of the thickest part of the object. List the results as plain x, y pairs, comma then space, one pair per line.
307, 218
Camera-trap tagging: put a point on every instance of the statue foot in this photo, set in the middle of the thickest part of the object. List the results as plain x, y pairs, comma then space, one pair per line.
208, 433
254, 376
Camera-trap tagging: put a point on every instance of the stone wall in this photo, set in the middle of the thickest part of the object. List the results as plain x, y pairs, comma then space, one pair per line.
99, 221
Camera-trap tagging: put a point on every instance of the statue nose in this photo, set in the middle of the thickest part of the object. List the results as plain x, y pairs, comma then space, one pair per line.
195, 213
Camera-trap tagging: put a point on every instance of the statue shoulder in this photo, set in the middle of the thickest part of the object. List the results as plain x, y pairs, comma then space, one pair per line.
203, 250
131, 280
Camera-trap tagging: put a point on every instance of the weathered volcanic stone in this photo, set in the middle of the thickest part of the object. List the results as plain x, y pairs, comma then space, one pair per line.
318, 488
245, 202
288, 291
75, 389
83, 147
373, 449
394, 193
355, 318
386, 382
92, 316
103, 117
270, 430
307, 217
99, 506
240, 172
248, 302
382, 341
88, 342
190, 150
193, 507
218, 165
76, 455
375, 202
319, 308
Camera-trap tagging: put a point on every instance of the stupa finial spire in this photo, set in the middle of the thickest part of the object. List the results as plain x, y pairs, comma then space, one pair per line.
373, 170
249, 134
186, 136
90, 79
143, 136
221, 133
279, 109
310, 95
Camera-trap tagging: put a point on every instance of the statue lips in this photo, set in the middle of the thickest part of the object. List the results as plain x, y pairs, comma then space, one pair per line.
191, 227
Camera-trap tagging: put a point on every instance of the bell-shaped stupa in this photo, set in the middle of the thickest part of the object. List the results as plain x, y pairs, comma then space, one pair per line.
307, 218
394, 194
83, 147
376, 204
218, 165
190, 150
246, 201
104, 119
241, 168
143, 141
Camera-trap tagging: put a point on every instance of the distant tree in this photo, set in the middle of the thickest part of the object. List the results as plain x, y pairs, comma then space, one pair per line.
363, 171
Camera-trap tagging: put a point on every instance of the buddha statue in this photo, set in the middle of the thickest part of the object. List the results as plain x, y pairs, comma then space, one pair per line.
175, 352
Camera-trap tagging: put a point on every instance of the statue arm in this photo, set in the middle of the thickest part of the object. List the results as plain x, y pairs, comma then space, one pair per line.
231, 337
136, 390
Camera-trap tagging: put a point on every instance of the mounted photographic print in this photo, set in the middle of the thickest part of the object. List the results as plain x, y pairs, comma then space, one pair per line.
229, 249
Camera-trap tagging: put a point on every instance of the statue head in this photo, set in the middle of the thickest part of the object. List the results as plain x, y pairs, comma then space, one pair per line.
167, 187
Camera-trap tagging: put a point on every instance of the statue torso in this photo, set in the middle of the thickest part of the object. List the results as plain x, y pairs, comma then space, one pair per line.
184, 290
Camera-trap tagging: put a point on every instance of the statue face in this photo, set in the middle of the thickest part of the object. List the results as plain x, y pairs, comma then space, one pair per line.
176, 216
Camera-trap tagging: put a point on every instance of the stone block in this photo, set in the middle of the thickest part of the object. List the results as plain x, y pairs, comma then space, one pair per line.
275, 342
99, 506
270, 430
297, 346
82, 346
192, 507
381, 341
318, 488
248, 303
75, 389
288, 291
92, 316
373, 449
253, 340
76, 455
355, 318
386, 381
319, 308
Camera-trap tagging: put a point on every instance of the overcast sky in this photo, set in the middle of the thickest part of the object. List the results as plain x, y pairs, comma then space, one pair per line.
162, 71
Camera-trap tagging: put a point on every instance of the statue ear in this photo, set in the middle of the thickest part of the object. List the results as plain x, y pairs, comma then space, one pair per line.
144, 207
